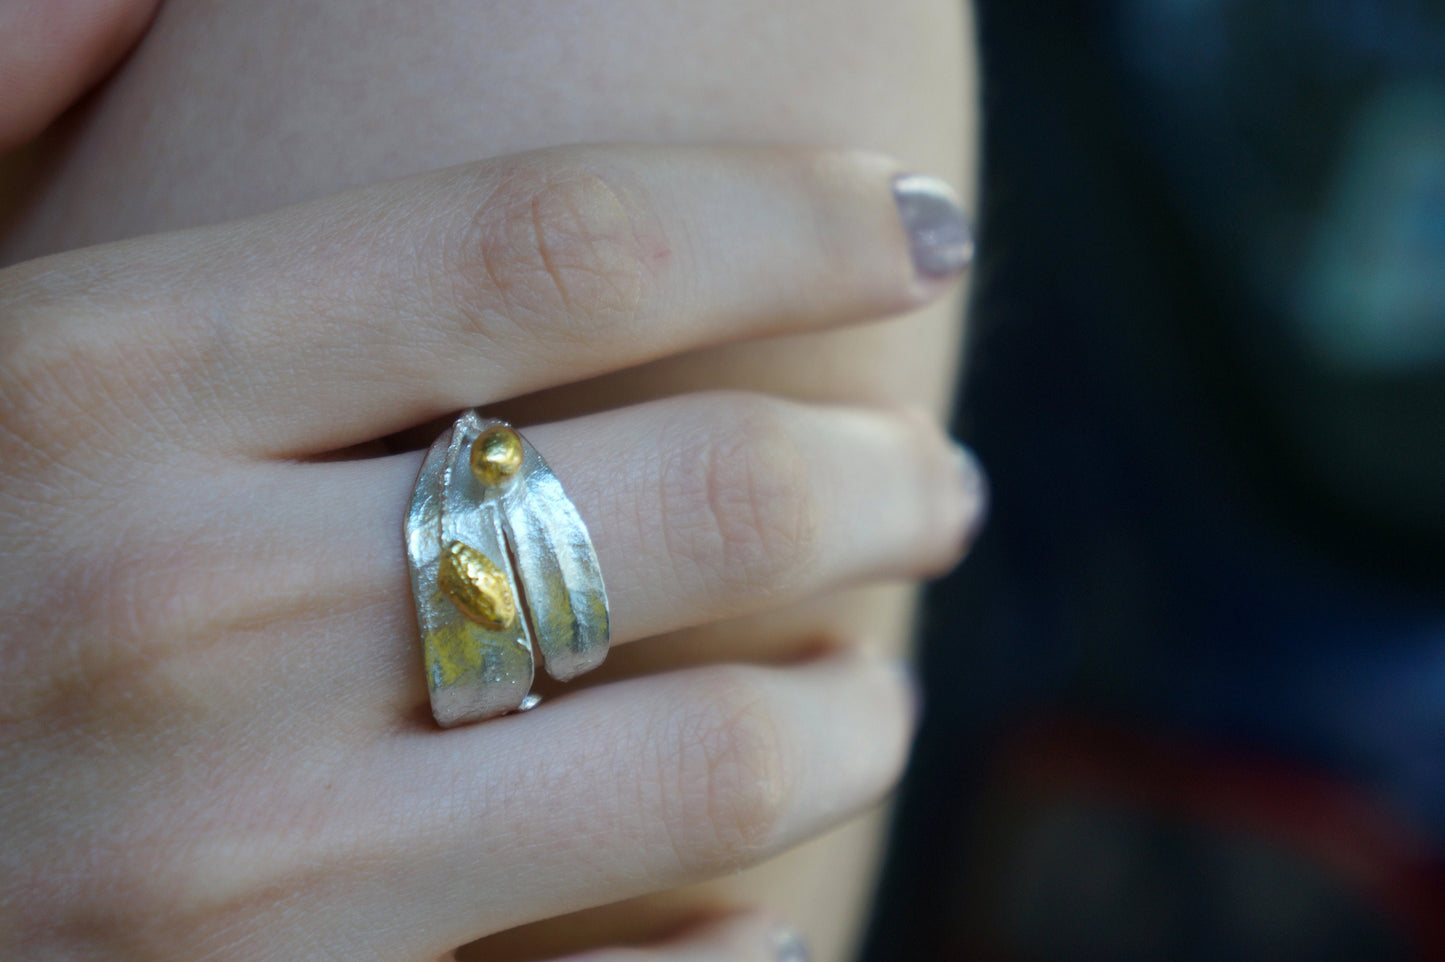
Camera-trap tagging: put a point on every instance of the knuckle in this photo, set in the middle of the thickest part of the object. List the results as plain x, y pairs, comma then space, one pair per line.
36, 368
106, 897
128, 632
561, 242
733, 783
739, 506
63, 377
158, 905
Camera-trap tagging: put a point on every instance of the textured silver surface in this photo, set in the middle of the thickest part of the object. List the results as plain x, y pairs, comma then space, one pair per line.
531, 531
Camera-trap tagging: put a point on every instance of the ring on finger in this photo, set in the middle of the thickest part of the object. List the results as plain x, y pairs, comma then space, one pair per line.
499, 559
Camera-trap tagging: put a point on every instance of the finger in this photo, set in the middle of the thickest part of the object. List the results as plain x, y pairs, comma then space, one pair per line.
700, 508
52, 51
716, 505
609, 793
349, 318
753, 937
405, 845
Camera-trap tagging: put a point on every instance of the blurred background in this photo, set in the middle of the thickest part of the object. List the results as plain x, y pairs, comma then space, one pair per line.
1187, 698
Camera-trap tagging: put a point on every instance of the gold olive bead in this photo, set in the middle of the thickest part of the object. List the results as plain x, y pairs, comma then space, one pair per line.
496, 456
476, 586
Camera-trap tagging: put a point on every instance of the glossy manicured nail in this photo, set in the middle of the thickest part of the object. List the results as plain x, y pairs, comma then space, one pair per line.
938, 232
788, 946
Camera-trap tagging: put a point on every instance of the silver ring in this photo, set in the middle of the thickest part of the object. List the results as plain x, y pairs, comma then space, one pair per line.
499, 558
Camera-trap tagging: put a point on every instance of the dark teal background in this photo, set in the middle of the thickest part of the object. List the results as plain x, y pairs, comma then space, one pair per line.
1214, 515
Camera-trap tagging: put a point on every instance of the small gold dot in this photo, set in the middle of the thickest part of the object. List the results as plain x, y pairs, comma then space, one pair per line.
496, 455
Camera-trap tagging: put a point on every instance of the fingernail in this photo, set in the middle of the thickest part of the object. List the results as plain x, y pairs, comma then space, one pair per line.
938, 232
974, 484
788, 946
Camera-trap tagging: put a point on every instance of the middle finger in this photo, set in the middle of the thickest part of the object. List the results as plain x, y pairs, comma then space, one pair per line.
701, 508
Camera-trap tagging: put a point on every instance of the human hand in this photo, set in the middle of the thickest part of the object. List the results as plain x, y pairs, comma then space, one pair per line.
214, 730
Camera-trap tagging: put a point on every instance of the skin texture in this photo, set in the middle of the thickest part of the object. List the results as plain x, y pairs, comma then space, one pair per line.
229, 109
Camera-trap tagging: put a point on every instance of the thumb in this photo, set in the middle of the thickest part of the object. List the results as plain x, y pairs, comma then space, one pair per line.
52, 51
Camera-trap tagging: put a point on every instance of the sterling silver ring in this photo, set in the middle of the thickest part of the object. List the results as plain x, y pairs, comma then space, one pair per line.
499, 557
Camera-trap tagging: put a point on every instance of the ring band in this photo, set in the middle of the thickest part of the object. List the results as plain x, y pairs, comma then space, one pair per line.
499, 557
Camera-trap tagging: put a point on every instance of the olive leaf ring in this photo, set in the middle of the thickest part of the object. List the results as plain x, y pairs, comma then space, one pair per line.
498, 557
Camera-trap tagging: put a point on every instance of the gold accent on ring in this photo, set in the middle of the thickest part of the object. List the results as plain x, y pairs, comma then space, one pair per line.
476, 586
496, 456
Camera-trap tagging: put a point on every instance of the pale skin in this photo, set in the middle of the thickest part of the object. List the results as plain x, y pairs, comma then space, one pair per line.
171, 409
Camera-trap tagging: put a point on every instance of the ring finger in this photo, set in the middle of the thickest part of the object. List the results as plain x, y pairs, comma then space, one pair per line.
417, 842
